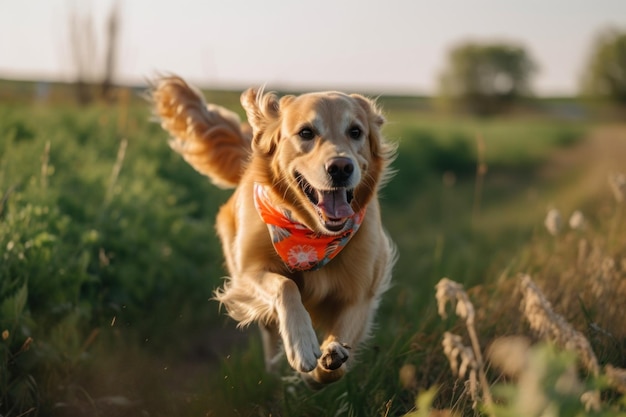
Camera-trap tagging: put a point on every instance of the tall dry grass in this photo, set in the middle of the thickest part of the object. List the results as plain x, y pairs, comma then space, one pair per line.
518, 360
570, 297
547, 323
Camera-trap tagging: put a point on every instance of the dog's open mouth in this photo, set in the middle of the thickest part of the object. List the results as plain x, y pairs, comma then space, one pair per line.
333, 206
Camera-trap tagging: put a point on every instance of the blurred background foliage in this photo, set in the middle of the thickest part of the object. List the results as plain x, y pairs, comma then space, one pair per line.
604, 74
486, 78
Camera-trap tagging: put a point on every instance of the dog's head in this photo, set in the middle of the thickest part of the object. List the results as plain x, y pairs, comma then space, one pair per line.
323, 153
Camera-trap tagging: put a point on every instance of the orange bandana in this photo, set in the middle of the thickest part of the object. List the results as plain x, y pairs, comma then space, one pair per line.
300, 248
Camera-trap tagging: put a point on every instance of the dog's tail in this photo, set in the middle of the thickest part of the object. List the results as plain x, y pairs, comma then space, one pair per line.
210, 138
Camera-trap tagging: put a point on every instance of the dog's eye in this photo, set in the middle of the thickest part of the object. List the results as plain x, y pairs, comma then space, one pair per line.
306, 133
355, 132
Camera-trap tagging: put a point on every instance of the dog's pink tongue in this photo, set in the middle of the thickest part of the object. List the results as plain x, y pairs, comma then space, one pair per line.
335, 204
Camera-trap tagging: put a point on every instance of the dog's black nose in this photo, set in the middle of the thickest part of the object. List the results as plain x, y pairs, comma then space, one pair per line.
340, 169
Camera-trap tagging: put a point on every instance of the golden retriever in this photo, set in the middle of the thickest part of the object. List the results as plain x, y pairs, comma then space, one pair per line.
302, 234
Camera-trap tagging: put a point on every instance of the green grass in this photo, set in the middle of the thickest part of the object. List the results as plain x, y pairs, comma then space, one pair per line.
109, 262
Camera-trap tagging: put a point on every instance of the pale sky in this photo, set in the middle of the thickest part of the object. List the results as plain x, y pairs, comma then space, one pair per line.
375, 46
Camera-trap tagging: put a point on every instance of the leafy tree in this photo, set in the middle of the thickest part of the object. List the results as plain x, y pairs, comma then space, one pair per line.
486, 78
605, 74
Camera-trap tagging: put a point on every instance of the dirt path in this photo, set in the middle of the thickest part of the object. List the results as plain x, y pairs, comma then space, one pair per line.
604, 148
572, 178
590, 162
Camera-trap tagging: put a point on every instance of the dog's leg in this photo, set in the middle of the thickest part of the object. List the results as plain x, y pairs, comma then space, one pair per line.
278, 299
271, 346
266, 297
294, 323
350, 328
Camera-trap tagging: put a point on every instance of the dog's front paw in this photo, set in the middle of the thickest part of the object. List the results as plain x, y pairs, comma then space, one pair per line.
334, 355
302, 350
300, 341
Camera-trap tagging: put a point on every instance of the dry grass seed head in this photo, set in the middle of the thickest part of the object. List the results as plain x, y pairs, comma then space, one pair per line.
553, 222
454, 349
462, 361
543, 320
450, 291
577, 220
471, 358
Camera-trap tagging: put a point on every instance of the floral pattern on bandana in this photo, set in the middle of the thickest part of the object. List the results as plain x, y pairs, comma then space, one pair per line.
300, 248
302, 257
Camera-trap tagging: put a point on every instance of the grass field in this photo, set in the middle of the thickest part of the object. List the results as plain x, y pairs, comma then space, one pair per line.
109, 260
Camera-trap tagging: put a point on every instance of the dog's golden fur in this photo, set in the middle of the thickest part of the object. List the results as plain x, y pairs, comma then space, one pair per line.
289, 147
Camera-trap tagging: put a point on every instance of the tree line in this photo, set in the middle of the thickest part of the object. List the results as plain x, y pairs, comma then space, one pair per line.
487, 78
480, 78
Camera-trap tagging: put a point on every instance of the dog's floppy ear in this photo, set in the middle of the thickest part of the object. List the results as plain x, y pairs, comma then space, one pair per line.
263, 111
375, 117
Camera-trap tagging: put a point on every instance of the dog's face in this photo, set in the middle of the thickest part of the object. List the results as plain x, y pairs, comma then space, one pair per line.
323, 151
